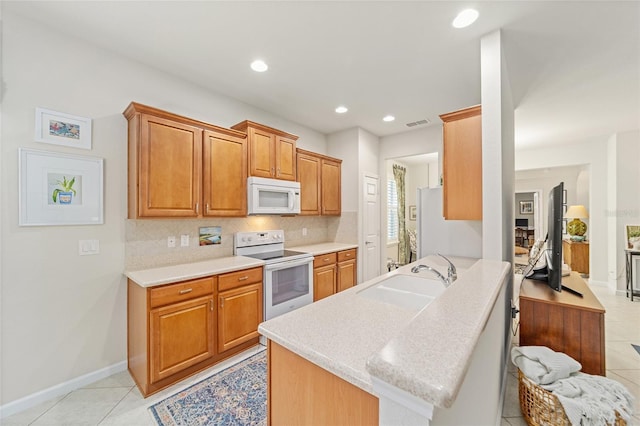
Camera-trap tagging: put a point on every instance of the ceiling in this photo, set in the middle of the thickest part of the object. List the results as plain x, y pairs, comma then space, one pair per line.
574, 66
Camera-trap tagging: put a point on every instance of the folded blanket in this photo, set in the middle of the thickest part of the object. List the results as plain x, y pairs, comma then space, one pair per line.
592, 400
543, 365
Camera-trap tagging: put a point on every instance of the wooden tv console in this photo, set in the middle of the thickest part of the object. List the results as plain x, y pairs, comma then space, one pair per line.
563, 321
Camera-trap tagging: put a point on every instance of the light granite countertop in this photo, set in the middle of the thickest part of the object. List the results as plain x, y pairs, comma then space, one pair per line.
323, 248
424, 352
187, 271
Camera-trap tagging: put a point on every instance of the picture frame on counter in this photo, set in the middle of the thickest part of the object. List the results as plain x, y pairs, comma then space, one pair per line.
59, 189
59, 128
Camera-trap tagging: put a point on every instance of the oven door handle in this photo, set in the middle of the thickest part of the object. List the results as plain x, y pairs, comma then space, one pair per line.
288, 264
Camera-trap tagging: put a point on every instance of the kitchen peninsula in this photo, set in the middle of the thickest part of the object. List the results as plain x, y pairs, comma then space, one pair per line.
351, 359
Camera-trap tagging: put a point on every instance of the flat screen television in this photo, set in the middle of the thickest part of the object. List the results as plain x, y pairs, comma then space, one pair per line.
551, 273
522, 223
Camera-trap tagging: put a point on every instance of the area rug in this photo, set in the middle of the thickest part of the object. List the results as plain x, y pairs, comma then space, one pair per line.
234, 396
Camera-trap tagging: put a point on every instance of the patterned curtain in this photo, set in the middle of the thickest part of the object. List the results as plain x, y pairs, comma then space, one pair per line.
398, 174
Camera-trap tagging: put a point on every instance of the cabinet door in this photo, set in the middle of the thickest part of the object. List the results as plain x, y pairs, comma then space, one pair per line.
181, 335
239, 314
346, 275
331, 188
170, 157
285, 158
261, 153
308, 170
462, 165
224, 175
324, 281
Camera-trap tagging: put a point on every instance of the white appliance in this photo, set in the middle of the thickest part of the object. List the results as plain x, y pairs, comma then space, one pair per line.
288, 274
272, 196
449, 237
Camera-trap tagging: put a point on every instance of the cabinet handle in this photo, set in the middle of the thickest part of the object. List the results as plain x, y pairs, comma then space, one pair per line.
206, 207
211, 304
348, 255
185, 291
246, 277
222, 302
197, 208
326, 259
278, 172
272, 171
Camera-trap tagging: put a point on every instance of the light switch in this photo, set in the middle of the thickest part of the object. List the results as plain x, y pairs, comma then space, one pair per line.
88, 247
184, 240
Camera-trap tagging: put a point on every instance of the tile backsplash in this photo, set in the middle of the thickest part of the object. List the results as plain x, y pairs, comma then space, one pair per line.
146, 239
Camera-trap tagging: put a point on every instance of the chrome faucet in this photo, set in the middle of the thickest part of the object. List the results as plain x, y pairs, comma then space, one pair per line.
452, 273
419, 268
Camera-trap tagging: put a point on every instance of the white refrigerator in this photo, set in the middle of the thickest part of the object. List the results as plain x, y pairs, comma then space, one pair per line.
447, 237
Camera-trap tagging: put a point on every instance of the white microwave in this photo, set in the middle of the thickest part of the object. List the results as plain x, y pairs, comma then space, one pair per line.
272, 196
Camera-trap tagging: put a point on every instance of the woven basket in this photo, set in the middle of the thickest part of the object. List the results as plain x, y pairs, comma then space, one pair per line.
541, 408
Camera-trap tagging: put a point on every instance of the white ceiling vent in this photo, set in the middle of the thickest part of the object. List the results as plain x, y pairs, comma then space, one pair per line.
419, 123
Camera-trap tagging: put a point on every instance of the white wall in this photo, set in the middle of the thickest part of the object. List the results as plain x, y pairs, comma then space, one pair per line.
498, 191
593, 153
415, 142
576, 183
63, 315
626, 210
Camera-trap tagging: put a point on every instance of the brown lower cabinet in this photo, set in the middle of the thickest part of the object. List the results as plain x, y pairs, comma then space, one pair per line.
564, 322
301, 393
178, 329
334, 272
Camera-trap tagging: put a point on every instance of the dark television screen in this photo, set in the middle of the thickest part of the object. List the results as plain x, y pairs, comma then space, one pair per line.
552, 271
522, 223
554, 241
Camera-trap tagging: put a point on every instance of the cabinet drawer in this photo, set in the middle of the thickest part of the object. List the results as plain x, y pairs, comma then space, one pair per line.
236, 279
324, 259
181, 291
346, 255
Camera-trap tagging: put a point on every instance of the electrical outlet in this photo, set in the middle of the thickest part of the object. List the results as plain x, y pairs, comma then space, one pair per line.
171, 241
184, 240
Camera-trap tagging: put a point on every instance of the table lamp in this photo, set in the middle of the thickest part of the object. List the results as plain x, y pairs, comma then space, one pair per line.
577, 228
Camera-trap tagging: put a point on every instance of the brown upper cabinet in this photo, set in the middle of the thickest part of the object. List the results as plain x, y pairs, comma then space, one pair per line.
180, 167
272, 152
462, 164
320, 184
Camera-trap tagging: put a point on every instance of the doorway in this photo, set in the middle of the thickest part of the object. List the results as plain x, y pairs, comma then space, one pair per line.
421, 171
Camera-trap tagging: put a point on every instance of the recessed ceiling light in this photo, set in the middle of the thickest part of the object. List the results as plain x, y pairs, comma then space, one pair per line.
342, 109
465, 18
259, 66
388, 118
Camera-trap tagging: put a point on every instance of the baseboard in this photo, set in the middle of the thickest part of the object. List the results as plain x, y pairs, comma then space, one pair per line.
39, 397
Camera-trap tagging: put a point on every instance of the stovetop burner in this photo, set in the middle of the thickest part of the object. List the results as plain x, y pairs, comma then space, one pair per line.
277, 254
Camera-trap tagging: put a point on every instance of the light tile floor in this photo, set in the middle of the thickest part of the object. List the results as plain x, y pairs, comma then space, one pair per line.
622, 328
117, 401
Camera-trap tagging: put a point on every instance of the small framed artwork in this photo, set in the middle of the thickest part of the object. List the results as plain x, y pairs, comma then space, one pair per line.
412, 212
526, 207
633, 237
210, 235
58, 128
59, 189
